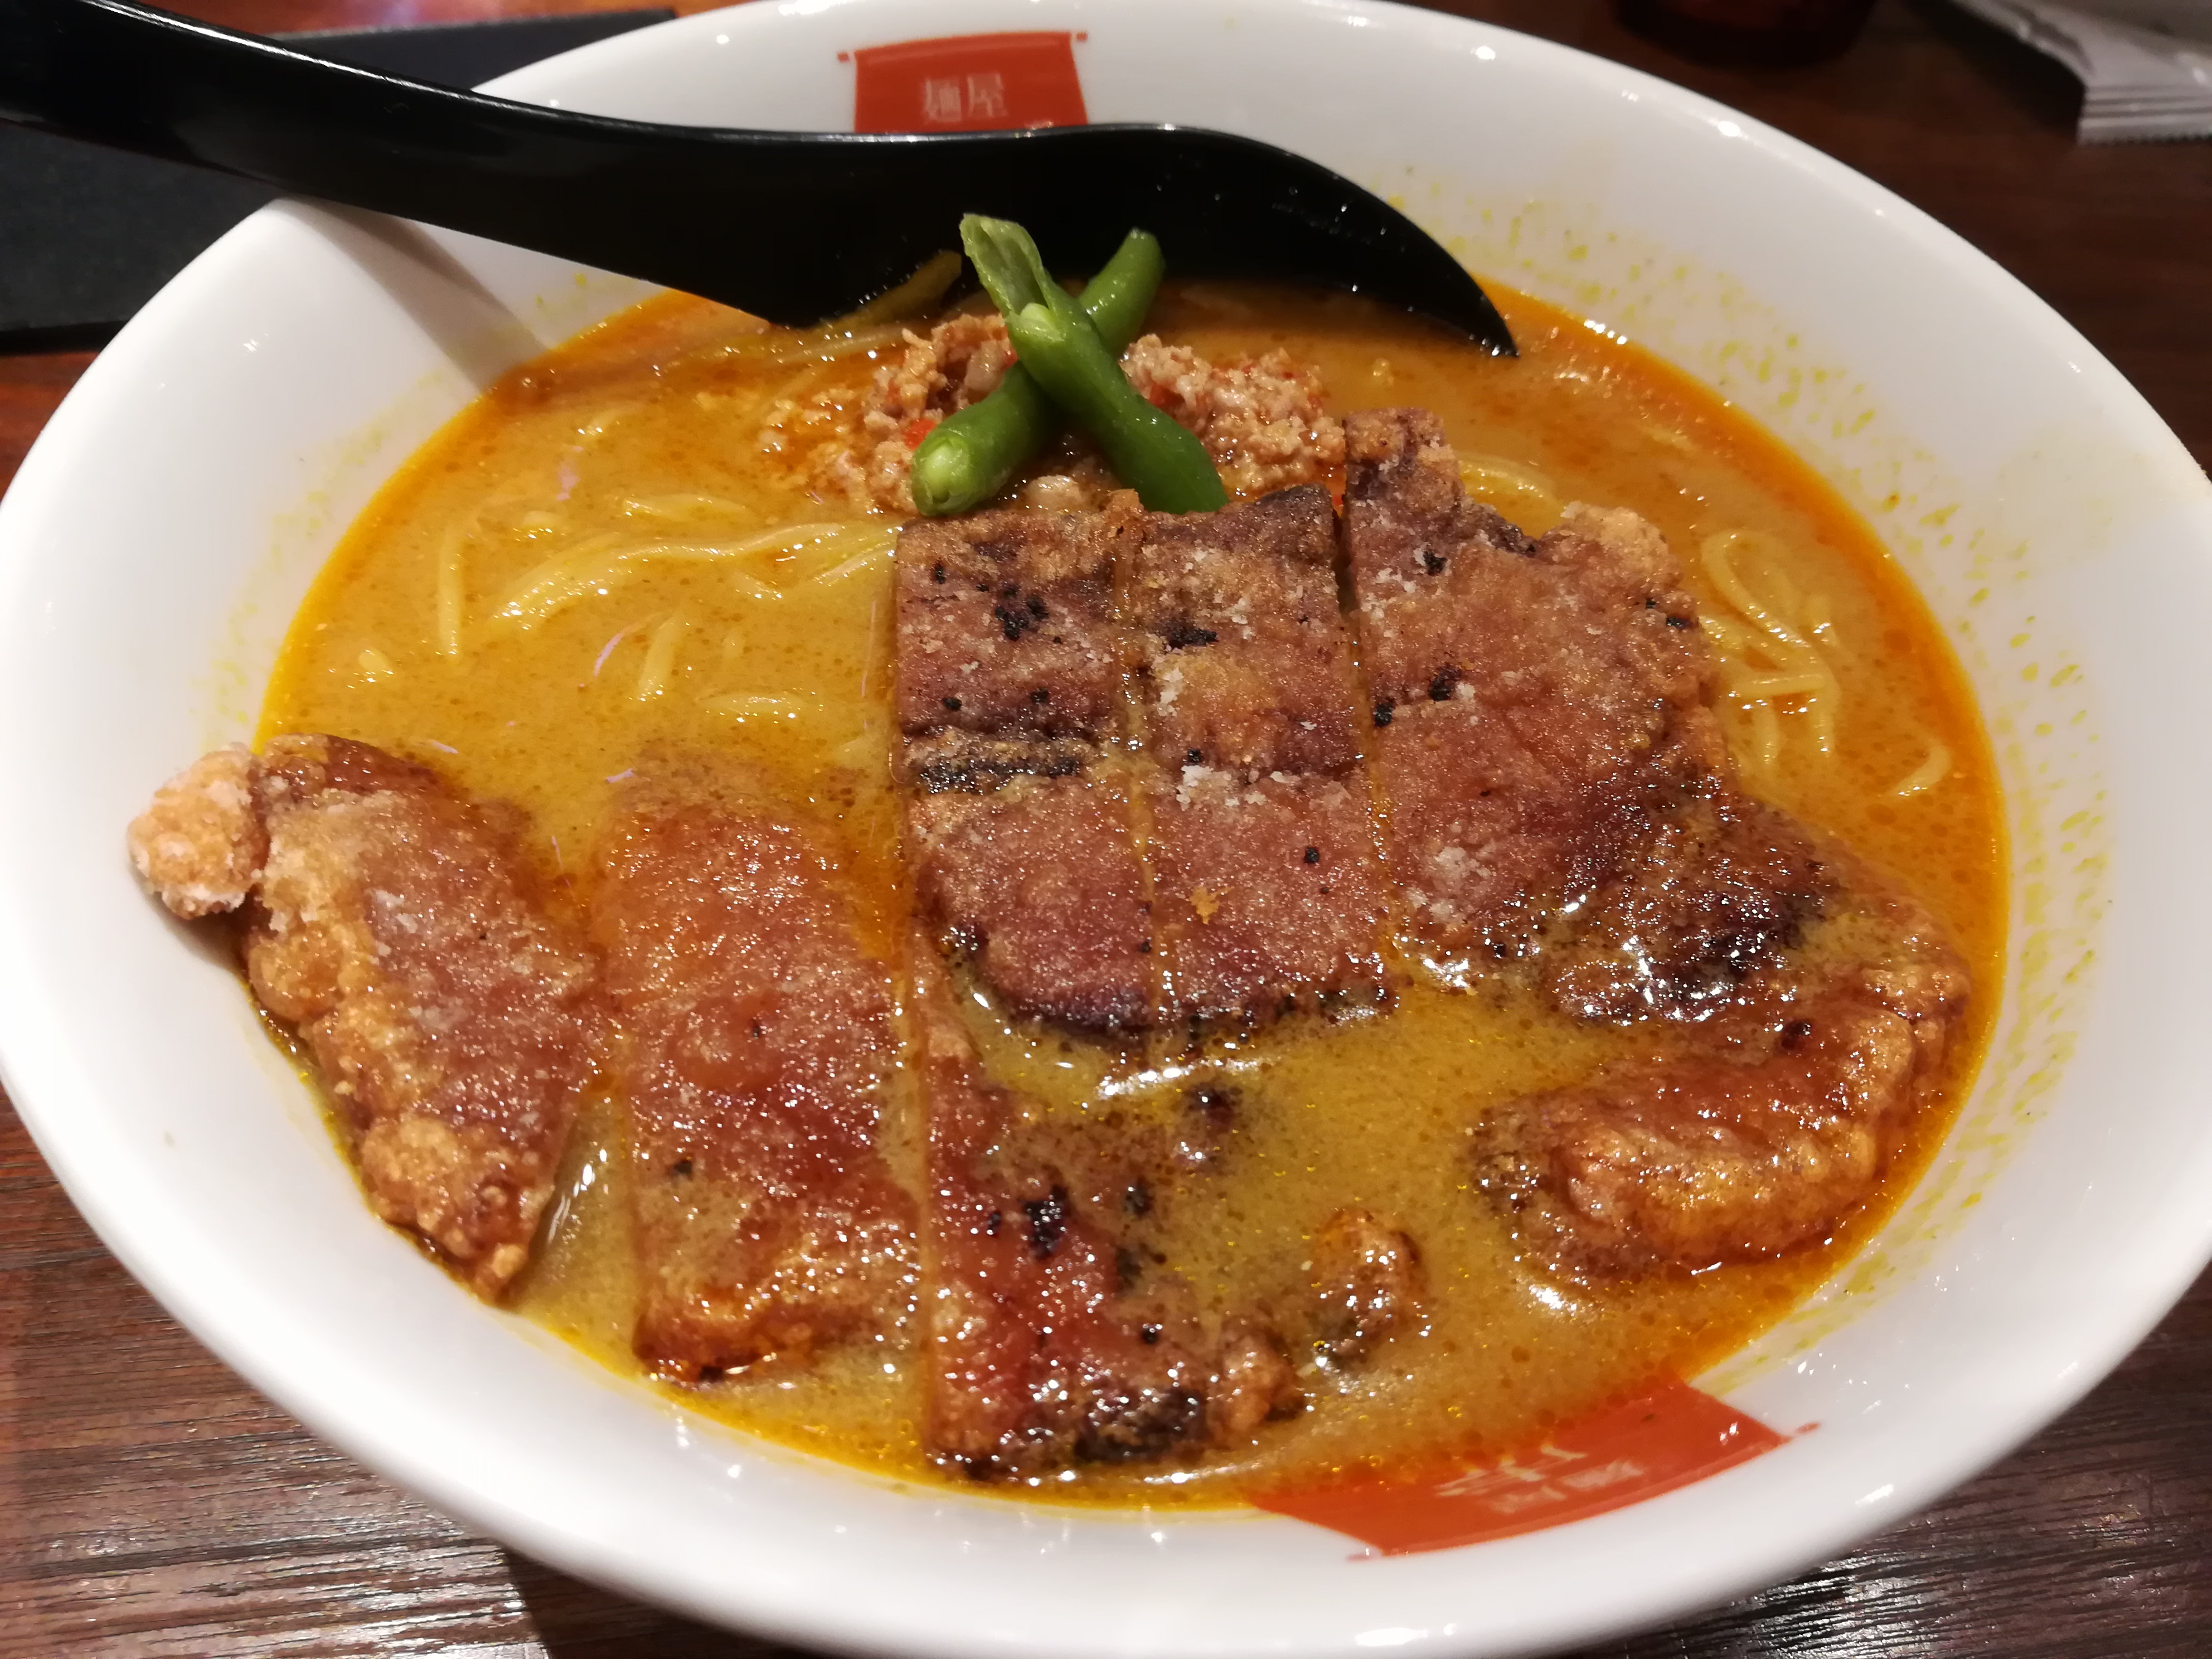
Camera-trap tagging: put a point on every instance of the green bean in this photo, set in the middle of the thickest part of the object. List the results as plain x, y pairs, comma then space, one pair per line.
970, 456
1117, 298
1006, 263
1163, 462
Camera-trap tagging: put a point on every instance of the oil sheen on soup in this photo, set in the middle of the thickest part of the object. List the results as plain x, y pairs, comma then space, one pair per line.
621, 560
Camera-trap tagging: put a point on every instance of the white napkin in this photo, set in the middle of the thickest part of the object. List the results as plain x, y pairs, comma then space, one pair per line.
2146, 66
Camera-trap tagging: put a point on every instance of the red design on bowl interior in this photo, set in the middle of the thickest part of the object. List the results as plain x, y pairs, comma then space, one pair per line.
967, 83
1668, 1435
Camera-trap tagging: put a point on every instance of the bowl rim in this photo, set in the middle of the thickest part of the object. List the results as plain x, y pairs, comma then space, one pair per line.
35, 1070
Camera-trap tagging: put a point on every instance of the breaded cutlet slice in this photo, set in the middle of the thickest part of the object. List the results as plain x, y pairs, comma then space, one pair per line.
1039, 1352
1006, 624
1248, 656
1024, 860
759, 1056
1816, 1001
1011, 670
1266, 888
454, 1020
1535, 703
1711, 897
1740, 1149
1267, 893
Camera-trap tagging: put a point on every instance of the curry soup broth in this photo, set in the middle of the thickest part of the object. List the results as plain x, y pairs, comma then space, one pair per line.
424, 636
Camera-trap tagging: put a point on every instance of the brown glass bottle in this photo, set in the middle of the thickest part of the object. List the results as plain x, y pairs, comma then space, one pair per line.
1748, 31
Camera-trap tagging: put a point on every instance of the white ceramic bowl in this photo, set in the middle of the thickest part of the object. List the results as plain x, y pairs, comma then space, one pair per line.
174, 510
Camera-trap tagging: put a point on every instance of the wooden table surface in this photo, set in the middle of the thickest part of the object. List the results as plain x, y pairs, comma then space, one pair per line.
151, 1503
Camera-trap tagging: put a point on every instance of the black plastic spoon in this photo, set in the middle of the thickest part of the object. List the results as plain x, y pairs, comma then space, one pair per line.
793, 226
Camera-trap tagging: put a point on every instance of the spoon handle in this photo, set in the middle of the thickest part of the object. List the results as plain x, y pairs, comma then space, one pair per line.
793, 226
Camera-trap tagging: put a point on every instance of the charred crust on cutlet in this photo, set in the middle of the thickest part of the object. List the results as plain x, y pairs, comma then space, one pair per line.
958, 776
1181, 635
1049, 1218
1142, 1422
980, 766
1385, 709
1488, 525
1445, 682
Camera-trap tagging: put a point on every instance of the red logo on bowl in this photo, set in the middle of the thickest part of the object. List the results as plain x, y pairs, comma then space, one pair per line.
1668, 1437
967, 83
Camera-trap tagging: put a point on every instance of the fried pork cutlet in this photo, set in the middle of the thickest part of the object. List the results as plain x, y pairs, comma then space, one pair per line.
759, 1052
1024, 856
1006, 626
1040, 1350
1756, 1140
1266, 887
1560, 806
1206, 717
1535, 703
1820, 1000
1711, 897
392, 924
1019, 832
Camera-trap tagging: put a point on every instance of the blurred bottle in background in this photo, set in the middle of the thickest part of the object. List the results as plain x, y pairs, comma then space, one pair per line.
1748, 31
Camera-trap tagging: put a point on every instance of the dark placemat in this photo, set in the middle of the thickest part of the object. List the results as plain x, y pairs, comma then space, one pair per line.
90, 234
